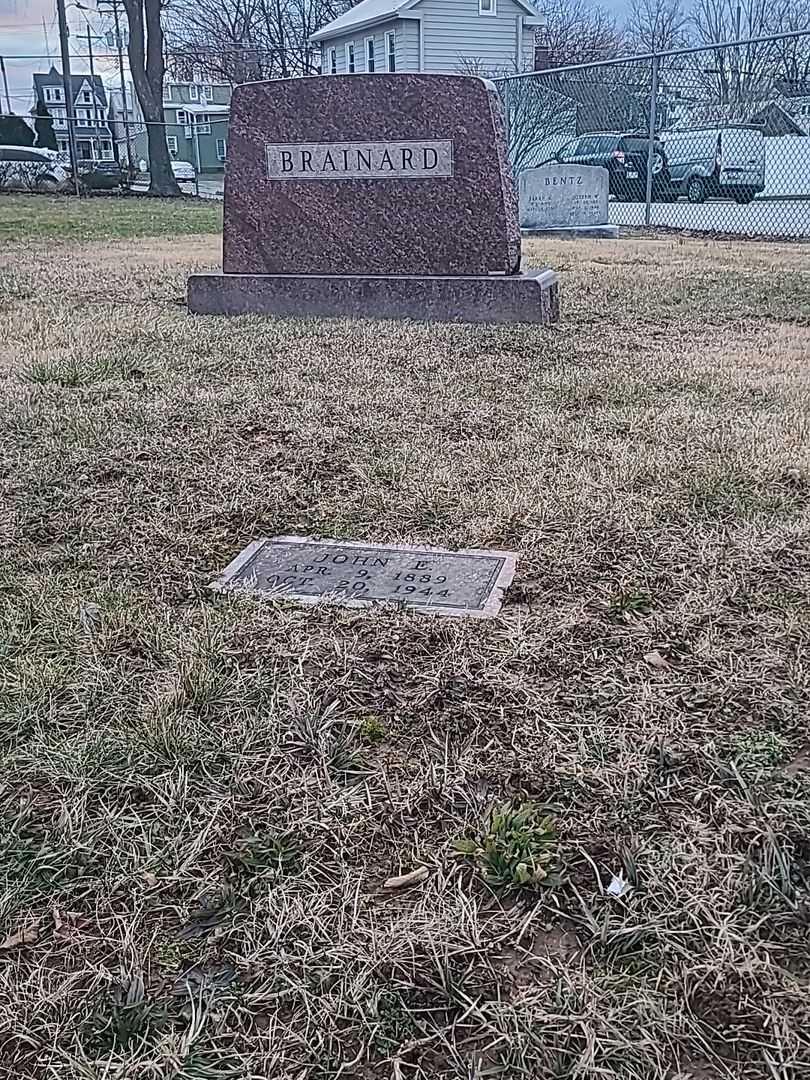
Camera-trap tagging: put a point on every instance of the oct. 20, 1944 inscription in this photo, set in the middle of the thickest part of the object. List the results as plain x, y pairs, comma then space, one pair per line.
355, 574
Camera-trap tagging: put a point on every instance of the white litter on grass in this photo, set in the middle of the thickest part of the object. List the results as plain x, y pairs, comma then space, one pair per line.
618, 886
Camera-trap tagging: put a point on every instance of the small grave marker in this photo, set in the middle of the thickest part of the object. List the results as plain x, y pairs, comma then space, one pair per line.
354, 574
565, 199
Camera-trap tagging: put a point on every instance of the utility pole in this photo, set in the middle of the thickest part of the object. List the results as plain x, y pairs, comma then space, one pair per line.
67, 83
47, 43
124, 104
93, 143
5, 83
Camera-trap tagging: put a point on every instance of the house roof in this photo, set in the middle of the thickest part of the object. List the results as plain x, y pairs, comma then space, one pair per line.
368, 12
54, 78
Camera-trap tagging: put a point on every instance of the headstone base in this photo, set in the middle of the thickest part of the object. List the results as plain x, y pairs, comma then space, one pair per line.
531, 297
576, 232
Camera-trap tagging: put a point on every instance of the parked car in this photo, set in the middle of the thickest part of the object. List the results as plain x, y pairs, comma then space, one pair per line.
184, 171
625, 158
102, 175
27, 168
724, 161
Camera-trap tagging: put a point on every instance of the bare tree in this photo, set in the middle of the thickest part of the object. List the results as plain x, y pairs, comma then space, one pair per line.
540, 120
218, 37
576, 32
793, 54
657, 26
740, 73
235, 40
146, 63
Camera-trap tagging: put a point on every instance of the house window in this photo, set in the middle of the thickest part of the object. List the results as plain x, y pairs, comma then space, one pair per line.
203, 124
350, 57
194, 93
182, 117
369, 54
87, 97
222, 149
84, 117
63, 145
54, 93
171, 142
59, 120
167, 92
333, 61
207, 92
106, 150
391, 50
487, 7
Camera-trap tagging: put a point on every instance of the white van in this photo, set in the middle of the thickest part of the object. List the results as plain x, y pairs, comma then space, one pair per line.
726, 161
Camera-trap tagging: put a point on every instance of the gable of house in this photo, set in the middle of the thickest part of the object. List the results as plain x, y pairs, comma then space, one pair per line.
483, 37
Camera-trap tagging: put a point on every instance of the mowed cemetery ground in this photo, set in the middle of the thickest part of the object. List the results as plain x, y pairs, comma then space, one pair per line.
203, 797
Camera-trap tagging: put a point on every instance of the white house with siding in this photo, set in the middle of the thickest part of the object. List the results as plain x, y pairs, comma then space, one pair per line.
482, 37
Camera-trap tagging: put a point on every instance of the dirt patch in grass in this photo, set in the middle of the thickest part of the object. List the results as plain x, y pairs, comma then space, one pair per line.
203, 798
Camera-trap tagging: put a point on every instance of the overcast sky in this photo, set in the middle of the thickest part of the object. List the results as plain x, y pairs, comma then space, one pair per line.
25, 44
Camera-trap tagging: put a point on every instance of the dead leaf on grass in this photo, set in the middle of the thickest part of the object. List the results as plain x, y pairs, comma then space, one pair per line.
66, 923
27, 936
656, 660
413, 877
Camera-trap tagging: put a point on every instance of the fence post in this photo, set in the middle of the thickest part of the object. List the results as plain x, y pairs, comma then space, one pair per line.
651, 142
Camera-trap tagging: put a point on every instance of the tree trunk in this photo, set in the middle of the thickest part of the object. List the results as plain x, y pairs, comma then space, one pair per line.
147, 66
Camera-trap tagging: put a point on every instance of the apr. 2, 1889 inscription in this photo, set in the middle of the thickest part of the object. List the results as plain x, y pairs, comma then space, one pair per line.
356, 574
420, 159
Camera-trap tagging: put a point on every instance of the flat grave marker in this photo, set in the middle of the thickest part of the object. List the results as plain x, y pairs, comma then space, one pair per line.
352, 574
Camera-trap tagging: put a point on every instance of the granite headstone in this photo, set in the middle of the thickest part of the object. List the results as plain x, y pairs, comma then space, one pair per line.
560, 198
372, 195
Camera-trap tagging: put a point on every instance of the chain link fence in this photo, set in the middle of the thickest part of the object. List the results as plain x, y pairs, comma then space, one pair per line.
712, 140
114, 157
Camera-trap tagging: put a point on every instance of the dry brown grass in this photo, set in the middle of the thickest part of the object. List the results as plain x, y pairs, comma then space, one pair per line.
202, 798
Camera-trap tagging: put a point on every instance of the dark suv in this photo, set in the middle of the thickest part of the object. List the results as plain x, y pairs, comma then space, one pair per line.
101, 175
624, 157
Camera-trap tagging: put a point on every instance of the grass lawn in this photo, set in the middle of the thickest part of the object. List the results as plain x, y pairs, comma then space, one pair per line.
202, 798
109, 217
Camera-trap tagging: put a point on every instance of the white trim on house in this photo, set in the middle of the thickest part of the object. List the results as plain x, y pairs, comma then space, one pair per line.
351, 58
53, 94
368, 50
171, 143
222, 154
487, 7
390, 50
